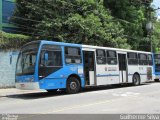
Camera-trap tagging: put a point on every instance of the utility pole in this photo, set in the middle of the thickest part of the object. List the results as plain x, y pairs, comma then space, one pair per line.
149, 26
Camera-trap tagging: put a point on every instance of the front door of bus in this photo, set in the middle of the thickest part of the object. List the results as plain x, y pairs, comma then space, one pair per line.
89, 67
122, 67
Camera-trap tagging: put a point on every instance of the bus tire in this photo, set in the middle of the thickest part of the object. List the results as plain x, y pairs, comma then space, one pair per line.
73, 85
136, 79
156, 80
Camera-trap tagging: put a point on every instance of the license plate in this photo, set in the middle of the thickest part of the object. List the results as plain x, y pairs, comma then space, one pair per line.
22, 85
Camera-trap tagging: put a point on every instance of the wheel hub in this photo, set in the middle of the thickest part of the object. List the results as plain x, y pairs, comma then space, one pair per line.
73, 85
135, 80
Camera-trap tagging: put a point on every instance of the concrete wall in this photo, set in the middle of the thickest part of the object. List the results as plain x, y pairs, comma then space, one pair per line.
7, 68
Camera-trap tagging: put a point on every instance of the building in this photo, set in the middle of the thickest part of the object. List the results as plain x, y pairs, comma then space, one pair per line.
8, 57
6, 11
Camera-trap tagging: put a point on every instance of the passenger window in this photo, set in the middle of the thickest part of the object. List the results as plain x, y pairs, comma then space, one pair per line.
54, 56
132, 58
101, 57
143, 60
50, 63
72, 55
111, 57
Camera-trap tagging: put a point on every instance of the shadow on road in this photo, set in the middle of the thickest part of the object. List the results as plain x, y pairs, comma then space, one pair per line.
115, 86
38, 95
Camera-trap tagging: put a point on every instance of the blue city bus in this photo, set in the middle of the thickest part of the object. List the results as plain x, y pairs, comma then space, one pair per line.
41, 65
157, 67
53, 65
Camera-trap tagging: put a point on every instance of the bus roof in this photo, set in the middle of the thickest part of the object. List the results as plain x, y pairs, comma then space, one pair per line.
60, 43
83, 46
117, 49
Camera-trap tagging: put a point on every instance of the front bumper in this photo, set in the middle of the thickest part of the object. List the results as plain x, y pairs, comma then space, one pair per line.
28, 86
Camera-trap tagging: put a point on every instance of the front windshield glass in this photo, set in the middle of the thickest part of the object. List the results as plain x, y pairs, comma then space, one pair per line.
27, 60
157, 62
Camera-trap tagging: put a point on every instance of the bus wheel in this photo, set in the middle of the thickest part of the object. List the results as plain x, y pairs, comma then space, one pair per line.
73, 85
156, 80
136, 79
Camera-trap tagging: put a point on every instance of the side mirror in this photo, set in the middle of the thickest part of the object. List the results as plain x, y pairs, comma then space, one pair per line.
46, 56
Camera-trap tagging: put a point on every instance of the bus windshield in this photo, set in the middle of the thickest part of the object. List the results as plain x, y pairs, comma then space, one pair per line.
157, 62
27, 60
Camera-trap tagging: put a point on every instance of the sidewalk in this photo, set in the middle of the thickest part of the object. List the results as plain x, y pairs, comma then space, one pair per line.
12, 91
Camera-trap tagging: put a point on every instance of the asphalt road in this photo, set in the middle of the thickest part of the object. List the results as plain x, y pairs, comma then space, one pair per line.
104, 100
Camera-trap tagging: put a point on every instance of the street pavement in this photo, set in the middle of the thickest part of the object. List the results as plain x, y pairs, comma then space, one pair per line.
114, 99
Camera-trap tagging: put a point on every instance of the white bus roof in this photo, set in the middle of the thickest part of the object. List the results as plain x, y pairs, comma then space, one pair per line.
117, 49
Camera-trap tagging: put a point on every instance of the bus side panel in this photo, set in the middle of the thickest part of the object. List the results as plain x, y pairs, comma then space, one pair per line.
101, 75
52, 83
143, 73
58, 79
131, 70
113, 72
107, 74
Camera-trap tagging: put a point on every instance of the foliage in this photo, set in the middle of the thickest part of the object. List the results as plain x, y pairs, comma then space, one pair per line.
76, 21
9, 41
133, 15
113, 23
156, 36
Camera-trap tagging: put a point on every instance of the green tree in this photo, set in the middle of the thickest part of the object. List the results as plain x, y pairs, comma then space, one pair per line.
133, 15
156, 36
77, 21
